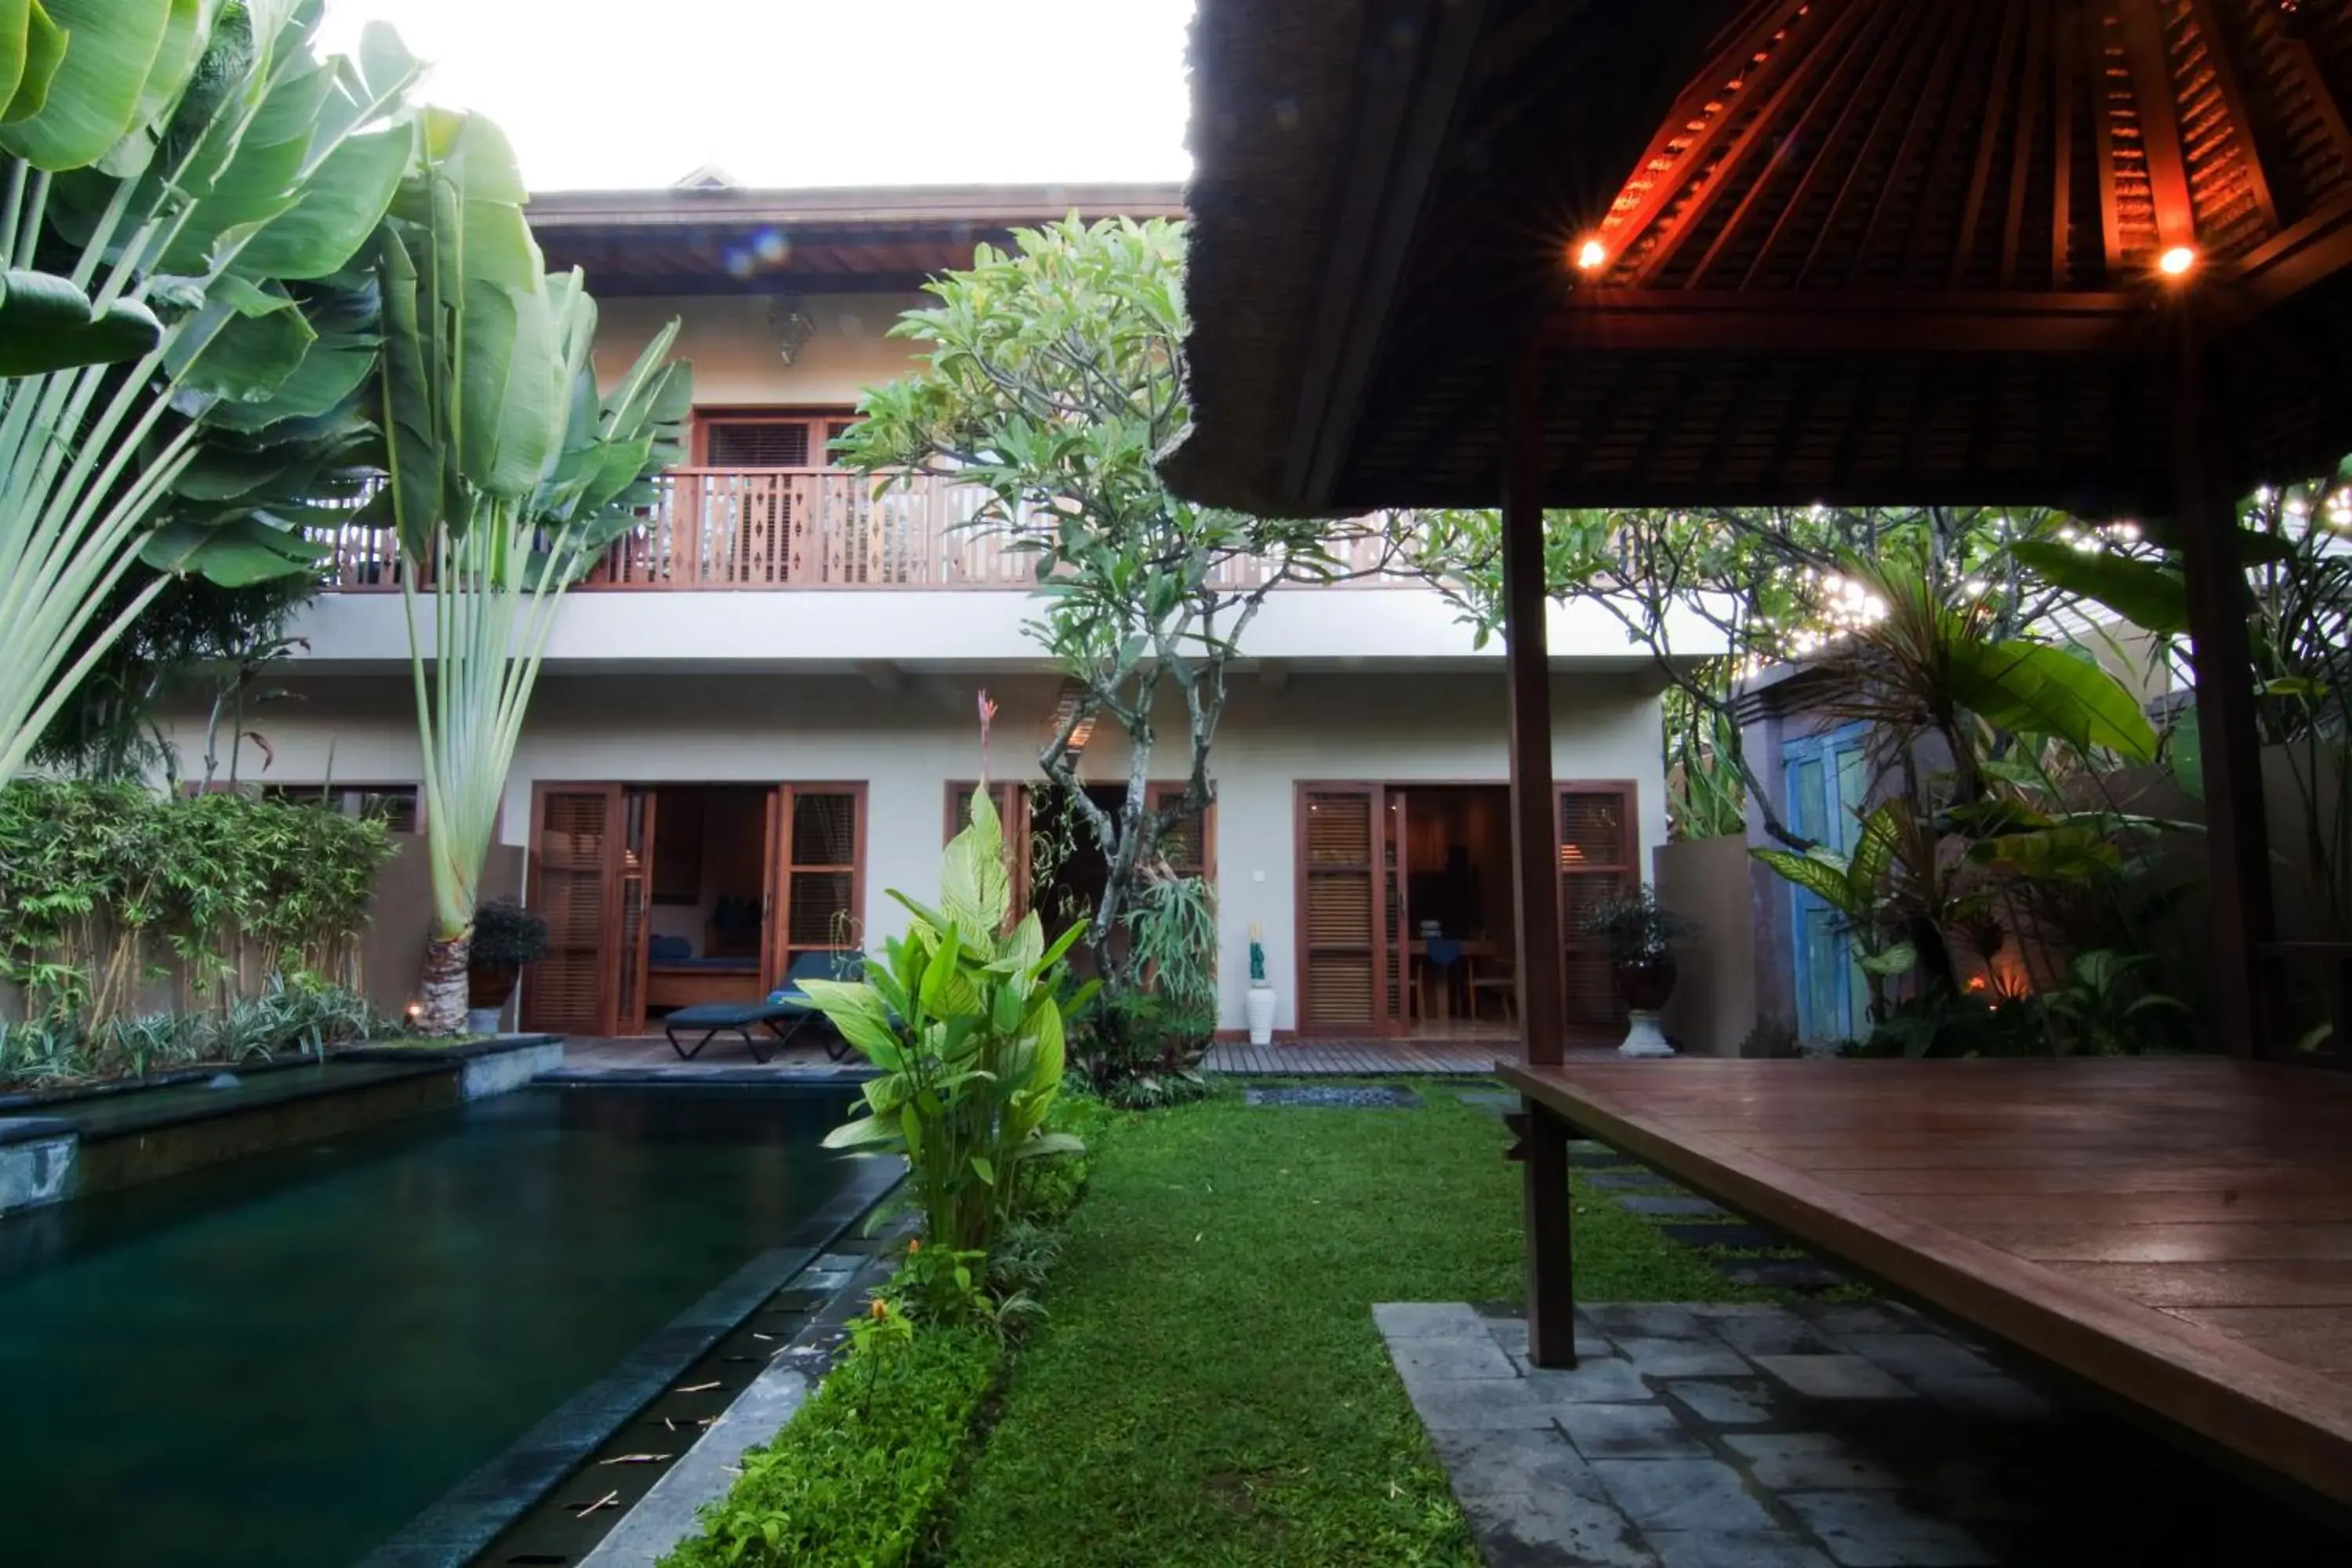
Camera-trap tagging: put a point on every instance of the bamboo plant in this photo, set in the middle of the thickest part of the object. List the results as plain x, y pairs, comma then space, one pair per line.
182, 185
507, 476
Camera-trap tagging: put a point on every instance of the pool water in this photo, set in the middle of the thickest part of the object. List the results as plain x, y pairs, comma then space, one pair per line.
285, 1359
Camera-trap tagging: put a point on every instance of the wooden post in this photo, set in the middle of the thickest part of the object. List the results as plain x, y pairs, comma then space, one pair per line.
1535, 866
2237, 837
1551, 1279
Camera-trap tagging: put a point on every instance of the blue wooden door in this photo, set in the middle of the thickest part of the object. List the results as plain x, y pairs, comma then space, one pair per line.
1828, 784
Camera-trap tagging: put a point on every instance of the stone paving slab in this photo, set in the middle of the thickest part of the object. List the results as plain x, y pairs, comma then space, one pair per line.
1806, 1436
1674, 1207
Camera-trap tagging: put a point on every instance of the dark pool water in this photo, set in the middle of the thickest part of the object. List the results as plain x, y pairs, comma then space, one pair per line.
283, 1360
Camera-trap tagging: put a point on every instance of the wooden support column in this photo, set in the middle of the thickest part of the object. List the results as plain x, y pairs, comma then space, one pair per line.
1534, 866
1551, 1278
2237, 837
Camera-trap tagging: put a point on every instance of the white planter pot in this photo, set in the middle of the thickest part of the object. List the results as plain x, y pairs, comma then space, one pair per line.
483, 1020
1645, 1039
1258, 1008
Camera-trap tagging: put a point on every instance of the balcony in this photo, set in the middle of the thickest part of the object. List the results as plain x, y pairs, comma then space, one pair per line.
713, 530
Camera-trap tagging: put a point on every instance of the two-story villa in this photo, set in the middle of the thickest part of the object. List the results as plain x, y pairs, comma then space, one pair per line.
759, 713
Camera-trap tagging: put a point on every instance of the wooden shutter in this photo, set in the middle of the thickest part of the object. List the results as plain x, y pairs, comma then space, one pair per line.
1597, 856
1342, 975
1190, 845
638, 850
574, 885
756, 444
818, 872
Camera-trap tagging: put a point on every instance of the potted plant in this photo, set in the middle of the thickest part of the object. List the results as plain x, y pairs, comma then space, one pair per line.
1640, 933
1259, 1002
506, 936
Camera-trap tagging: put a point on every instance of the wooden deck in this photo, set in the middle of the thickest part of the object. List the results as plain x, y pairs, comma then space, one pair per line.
2177, 1232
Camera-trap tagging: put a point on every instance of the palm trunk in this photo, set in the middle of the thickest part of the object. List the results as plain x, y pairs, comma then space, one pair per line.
442, 996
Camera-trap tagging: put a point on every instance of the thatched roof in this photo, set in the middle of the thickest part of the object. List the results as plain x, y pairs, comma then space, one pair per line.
1860, 250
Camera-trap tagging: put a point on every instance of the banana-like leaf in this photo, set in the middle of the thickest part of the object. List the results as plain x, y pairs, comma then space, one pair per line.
1822, 875
32, 46
186, 32
338, 209
2152, 597
238, 554
94, 94
47, 324
2034, 689
1900, 959
243, 346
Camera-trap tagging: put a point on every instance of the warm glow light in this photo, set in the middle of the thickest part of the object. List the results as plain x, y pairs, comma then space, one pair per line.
2176, 262
1591, 255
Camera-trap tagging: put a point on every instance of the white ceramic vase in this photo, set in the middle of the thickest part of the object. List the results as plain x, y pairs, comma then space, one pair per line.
1645, 1039
1258, 1008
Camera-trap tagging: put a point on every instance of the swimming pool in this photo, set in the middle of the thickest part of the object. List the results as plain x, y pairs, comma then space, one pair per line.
285, 1359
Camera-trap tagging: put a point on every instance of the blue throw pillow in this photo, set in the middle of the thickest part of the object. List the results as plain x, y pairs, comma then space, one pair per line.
668, 948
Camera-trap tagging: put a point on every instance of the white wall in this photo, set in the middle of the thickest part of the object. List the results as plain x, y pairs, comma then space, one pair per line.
951, 629
906, 744
733, 348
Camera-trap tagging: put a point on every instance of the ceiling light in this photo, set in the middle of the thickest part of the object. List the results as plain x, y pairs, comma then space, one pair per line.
1591, 255
2177, 261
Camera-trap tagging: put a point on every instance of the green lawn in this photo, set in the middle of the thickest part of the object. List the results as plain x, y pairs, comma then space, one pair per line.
1210, 1388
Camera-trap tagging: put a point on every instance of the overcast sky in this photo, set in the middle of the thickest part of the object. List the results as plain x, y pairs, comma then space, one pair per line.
809, 93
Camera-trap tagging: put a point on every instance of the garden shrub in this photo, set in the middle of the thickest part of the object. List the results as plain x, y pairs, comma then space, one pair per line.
856, 1477
106, 886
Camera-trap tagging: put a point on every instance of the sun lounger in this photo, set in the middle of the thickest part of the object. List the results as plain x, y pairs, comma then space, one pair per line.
782, 1013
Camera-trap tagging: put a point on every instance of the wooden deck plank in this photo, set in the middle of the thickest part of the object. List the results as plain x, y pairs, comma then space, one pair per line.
2257, 1281
2139, 1222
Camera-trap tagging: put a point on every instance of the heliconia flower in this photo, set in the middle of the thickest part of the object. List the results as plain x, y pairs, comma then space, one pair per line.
914, 1245
881, 1309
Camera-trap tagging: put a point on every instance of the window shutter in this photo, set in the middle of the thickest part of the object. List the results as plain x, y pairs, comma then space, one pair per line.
572, 889
1338, 990
1596, 863
756, 444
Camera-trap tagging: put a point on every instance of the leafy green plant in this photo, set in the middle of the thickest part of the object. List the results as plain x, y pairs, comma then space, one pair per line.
1138, 1050
1638, 928
185, 184
859, 1475
507, 476
963, 1018
506, 936
1852, 885
105, 886
1172, 932
2106, 1008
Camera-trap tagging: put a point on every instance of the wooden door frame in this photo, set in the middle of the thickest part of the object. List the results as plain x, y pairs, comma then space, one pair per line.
608, 987
1629, 790
776, 948
638, 961
1300, 790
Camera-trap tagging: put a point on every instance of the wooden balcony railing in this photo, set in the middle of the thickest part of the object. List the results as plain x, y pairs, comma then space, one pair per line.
795, 527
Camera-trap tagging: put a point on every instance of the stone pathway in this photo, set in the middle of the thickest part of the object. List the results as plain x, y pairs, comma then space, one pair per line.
1818, 1436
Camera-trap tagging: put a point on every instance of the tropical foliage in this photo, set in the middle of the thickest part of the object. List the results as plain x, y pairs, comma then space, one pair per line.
109, 889
1052, 383
962, 1017
507, 476
183, 189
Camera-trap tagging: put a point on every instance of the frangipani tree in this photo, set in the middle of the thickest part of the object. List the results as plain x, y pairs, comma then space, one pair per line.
507, 476
184, 187
1053, 384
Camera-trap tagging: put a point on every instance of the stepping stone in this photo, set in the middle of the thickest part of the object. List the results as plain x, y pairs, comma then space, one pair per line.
1605, 1160
1795, 1274
1747, 1237
1867, 1527
1834, 1376
1490, 1099
1635, 1180
1665, 1207
1367, 1098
